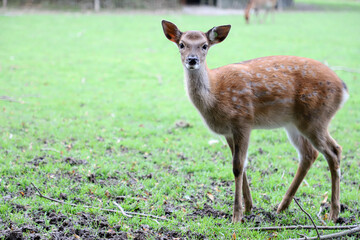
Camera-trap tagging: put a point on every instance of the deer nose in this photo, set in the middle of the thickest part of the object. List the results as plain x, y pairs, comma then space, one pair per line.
192, 60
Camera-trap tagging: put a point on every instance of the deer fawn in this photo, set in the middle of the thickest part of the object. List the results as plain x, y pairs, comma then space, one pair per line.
269, 5
299, 94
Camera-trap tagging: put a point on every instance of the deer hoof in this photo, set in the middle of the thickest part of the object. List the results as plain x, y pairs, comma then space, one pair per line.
237, 218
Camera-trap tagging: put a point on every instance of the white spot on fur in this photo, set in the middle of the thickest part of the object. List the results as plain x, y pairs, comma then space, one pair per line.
258, 75
278, 102
243, 91
234, 99
246, 72
282, 86
303, 73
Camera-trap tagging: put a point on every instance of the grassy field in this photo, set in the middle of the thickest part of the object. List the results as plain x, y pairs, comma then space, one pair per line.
88, 114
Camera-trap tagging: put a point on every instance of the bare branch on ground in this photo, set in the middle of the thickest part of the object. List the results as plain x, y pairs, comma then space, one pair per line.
334, 235
296, 227
9, 99
102, 209
317, 231
121, 209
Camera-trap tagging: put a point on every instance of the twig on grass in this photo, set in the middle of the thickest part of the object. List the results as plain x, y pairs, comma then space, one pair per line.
159, 78
50, 149
319, 216
317, 231
334, 235
156, 221
122, 210
102, 209
282, 176
9, 99
298, 227
303, 235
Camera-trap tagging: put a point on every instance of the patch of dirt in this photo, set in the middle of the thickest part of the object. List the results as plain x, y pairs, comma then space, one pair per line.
109, 181
259, 216
72, 161
55, 225
73, 175
82, 225
37, 161
27, 191
343, 208
182, 124
209, 211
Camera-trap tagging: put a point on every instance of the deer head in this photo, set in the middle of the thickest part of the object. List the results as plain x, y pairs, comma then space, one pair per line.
194, 45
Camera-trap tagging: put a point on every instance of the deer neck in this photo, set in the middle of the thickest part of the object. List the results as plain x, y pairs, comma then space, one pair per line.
197, 84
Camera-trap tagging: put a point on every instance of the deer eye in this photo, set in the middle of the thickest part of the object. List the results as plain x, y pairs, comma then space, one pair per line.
181, 46
205, 46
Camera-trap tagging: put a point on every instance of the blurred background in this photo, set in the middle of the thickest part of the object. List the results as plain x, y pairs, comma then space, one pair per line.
99, 5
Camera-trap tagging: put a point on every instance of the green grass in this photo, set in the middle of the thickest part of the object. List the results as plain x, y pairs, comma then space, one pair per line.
108, 89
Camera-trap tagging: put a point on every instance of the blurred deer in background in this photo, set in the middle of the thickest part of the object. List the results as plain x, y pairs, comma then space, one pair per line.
299, 94
268, 5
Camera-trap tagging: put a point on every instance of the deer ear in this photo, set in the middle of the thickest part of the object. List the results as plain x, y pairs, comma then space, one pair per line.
218, 34
171, 31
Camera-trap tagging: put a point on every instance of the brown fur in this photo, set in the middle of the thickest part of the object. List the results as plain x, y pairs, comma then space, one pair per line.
299, 94
297, 86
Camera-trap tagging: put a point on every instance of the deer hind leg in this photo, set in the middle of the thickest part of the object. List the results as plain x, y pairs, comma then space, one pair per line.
245, 186
325, 144
307, 156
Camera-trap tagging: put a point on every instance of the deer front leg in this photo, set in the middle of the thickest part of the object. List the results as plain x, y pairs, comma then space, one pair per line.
241, 142
245, 186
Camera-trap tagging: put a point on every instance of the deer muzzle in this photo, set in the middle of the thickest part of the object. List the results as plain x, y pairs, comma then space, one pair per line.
192, 62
